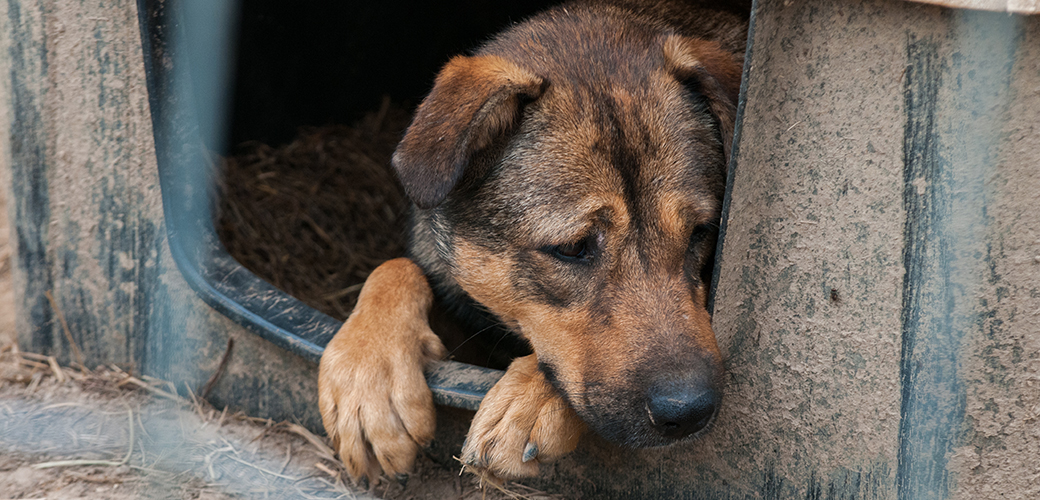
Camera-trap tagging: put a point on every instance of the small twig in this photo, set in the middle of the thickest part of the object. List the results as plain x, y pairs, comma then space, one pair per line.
323, 450
195, 404
232, 448
256, 420
87, 478
65, 327
140, 383
108, 463
74, 375
486, 478
223, 414
140, 423
60, 375
334, 475
318, 229
33, 356
261, 469
346, 291
33, 364
221, 368
208, 459
34, 383
338, 486
288, 457
62, 405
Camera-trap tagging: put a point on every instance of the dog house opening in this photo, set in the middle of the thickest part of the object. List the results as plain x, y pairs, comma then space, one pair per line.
274, 126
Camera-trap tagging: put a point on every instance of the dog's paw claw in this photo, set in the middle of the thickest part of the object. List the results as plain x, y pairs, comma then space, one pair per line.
522, 423
530, 451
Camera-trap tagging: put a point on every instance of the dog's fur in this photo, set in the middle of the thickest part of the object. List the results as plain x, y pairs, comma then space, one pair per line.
567, 181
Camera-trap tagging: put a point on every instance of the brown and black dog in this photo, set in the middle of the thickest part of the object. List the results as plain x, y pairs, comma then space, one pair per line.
567, 181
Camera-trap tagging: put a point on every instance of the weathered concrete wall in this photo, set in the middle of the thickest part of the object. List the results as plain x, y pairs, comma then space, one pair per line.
807, 302
997, 455
879, 291
7, 309
880, 287
1017, 6
87, 215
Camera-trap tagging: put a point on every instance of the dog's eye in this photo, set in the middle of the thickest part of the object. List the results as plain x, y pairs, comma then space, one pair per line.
578, 251
701, 253
703, 236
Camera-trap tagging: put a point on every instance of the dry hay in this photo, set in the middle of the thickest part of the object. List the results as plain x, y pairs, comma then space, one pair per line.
315, 216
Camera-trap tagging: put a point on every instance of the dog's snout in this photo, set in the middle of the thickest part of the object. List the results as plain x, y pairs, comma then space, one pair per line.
677, 409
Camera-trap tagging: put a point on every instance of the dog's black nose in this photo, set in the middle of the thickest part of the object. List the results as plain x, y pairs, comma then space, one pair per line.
677, 409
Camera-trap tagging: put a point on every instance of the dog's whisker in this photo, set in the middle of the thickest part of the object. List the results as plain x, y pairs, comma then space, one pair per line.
471, 337
491, 352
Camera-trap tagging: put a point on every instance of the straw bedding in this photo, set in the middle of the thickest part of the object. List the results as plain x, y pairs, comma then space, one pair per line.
315, 216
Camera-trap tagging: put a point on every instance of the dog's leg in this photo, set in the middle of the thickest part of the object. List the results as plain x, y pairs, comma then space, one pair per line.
522, 422
374, 400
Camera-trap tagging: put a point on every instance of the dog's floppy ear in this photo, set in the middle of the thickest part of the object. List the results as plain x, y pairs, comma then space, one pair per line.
474, 101
714, 71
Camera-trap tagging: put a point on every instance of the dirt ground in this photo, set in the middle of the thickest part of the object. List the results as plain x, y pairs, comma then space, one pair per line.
104, 434
74, 433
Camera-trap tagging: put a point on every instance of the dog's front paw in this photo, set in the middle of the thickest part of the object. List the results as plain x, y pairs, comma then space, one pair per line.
374, 401
521, 423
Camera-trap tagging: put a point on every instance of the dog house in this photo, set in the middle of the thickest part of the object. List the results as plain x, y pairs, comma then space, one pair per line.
877, 288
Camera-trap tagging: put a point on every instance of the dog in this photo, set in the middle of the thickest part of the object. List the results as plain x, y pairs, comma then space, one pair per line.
567, 182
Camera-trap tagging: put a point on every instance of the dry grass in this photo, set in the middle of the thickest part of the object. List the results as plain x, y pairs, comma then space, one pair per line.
137, 437
315, 216
163, 437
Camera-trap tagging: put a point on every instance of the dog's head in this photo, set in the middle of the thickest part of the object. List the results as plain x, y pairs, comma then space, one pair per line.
578, 200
